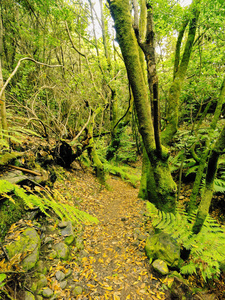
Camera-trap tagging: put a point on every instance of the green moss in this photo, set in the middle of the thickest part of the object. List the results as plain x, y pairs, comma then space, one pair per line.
9, 214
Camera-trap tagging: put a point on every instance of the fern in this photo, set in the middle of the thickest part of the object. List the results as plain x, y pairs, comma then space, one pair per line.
46, 203
219, 185
207, 248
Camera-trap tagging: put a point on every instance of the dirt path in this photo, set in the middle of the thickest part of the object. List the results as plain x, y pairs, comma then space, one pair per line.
113, 264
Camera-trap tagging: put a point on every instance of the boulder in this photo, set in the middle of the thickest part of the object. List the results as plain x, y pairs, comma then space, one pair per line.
47, 293
160, 266
68, 230
77, 290
62, 250
63, 284
29, 296
69, 239
28, 245
163, 246
60, 276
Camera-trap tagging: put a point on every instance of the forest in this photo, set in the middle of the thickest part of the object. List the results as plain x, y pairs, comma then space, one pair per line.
112, 149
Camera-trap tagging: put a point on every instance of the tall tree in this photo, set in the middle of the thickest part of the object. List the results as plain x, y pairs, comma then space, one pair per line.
180, 69
163, 188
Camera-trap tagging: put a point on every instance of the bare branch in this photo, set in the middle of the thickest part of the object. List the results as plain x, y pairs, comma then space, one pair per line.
85, 125
71, 41
16, 68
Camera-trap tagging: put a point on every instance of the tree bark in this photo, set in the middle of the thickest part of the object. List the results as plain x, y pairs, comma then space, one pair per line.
180, 69
4, 125
206, 198
161, 180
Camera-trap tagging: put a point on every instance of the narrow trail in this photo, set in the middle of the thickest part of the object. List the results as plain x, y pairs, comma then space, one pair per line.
113, 264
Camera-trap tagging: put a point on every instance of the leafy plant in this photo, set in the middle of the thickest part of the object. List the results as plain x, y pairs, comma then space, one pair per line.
46, 202
2, 278
207, 249
123, 172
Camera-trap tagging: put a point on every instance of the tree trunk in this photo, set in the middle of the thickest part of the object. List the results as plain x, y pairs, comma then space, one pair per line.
203, 160
180, 69
206, 198
97, 164
2, 99
162, 182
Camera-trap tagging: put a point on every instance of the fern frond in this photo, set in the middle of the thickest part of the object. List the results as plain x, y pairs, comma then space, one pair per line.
207, 247
47, 203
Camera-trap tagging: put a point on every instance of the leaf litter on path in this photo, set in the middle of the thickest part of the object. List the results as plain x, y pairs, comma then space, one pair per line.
113, 264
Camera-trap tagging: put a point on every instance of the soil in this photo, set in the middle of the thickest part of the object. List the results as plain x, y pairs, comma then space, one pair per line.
114, 264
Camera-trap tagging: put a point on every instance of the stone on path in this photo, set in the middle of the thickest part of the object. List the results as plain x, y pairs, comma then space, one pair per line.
160, 266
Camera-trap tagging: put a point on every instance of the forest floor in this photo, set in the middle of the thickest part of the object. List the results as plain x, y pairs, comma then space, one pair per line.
113, 264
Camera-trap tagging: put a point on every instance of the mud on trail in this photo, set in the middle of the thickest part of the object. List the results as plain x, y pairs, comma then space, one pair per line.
113, 264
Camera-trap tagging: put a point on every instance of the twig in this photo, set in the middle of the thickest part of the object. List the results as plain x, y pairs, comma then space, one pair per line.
25, 170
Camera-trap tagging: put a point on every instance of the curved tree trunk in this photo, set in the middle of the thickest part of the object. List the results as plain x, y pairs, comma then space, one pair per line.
162, 182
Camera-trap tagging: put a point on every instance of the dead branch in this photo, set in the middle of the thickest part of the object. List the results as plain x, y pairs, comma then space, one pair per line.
25, 170
16, 68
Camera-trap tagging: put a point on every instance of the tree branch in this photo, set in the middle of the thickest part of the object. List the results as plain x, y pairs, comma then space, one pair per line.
17, 67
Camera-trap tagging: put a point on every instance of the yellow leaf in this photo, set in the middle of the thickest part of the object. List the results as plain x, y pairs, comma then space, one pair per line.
109, 288
143, 286
128, 297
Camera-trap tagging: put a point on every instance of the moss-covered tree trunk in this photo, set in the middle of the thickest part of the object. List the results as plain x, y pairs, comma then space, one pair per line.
180, 69
206, 198
2, 100
204, 157
97, 164
162, 182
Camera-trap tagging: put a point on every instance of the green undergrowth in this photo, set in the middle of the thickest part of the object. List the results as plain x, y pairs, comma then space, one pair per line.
207, 249
124, 172
18, 198
10, 212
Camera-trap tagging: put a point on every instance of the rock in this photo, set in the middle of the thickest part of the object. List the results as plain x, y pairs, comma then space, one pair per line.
77, 290
160, 266
39, 297
48, 239
142, 237
29, 296
63, 224
28, 244
51, 228
79, 243
162, 246
60, 276
84, 253
68, 230
53, 254
68, 273
41, 267
38, 284
14, 176
42, 282
47, 293
62, 250
69, 239
63, 284
180, 290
